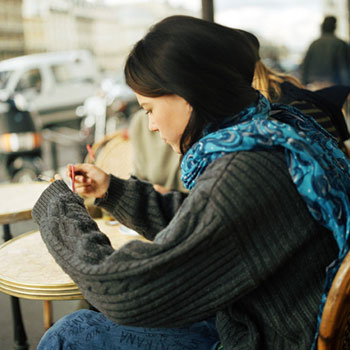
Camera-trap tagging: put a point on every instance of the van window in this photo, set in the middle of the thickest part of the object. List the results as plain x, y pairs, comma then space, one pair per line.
30, 80
4, 77
61, 73
64, 73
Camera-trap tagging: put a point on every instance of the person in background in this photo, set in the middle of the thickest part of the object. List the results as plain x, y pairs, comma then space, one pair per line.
153, 160
327, 60
239, 262
325, 105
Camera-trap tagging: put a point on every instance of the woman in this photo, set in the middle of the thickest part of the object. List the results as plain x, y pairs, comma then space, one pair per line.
324, 105
249, 244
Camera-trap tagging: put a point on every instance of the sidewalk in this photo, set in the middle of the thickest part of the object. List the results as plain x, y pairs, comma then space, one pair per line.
32, 314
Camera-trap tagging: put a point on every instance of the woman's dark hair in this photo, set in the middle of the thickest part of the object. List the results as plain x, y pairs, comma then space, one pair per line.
209, 65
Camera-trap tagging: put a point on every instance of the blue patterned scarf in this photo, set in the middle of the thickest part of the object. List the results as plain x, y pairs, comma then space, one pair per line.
319, 169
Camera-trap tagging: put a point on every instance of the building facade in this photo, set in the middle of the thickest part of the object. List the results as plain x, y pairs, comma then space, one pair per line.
11, 29
107, 31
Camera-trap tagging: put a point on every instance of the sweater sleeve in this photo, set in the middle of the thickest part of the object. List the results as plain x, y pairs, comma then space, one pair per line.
183, 277
136, 204
222, 243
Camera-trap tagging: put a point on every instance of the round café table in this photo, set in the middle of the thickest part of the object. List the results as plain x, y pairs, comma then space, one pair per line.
17, 201
27, 270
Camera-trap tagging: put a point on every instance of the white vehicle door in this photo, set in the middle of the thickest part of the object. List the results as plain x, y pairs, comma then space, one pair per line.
55, 91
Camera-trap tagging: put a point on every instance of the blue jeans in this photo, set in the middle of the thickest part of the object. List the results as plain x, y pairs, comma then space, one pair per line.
90, 330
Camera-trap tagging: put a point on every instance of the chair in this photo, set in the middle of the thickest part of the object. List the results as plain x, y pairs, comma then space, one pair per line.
113, 154
334, 333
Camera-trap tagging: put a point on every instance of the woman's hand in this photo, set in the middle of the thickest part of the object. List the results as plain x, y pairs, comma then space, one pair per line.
161, 189
90, 180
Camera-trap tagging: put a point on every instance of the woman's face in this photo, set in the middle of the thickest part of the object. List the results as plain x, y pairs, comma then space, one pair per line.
167, 114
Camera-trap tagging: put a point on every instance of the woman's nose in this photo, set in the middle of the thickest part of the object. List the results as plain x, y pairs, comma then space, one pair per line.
151, 125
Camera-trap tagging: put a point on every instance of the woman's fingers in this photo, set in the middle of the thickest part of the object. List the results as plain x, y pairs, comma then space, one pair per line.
81, 174
82, 179
84, 190
89, 179
69, 170
78, 169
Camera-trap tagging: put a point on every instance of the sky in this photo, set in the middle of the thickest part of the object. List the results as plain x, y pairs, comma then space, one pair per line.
293, 23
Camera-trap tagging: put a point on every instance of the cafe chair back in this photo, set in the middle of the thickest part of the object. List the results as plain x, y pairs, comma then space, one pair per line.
113, 154
334, 333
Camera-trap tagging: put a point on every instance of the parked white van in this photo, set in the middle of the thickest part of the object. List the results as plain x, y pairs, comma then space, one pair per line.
53, 83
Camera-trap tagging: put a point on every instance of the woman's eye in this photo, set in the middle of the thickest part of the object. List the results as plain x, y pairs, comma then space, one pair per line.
148, 112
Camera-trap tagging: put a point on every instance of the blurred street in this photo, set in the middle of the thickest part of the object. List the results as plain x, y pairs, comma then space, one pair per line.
65, 155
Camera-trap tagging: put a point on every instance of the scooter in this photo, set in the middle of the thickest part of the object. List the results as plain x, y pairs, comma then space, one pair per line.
107, 111
20, 142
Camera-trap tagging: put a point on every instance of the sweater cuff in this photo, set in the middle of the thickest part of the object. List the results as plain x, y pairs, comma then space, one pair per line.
115, 191
57, 189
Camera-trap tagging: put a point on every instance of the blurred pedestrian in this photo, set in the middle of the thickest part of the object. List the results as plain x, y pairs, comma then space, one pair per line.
327, 60
153, 160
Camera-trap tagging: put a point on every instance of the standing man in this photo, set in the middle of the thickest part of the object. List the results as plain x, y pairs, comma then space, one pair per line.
327, 61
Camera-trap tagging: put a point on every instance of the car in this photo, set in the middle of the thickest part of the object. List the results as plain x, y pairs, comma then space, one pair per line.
53, 83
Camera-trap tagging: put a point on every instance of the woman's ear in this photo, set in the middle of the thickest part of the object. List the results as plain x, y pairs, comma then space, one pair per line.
189, 107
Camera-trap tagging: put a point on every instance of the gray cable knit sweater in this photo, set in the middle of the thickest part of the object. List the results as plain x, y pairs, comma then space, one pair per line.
241, 246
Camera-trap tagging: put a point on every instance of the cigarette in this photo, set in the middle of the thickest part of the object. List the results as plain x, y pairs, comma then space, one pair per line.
90, 152
46, 178
73, 178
